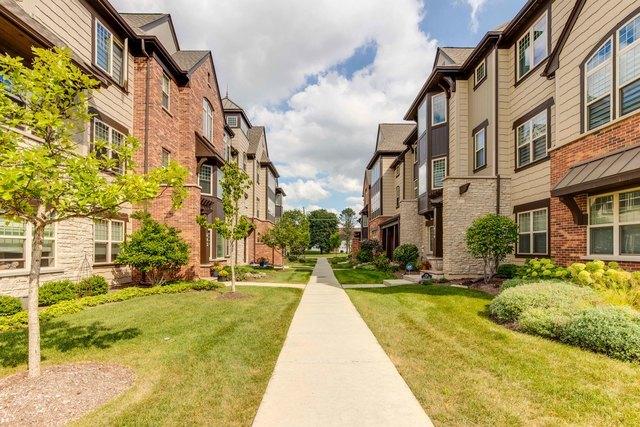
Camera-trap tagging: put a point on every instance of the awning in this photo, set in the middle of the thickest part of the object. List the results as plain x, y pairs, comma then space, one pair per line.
204, 149
391, 222
615, 170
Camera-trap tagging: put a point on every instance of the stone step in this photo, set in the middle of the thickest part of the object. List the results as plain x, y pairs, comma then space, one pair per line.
397, 282
414, 278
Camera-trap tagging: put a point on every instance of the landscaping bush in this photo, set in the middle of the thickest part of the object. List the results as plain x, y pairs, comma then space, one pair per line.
507, 271
614, 331
406, 254
519, 281
491, 238
382, 263
53, 292
9, 305
542, 269
369, 250
92, 285
339, 260
293, 257
616, 285
562, 298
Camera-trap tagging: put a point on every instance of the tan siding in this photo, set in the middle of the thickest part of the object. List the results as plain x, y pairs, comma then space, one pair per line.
481, 108
388, 187
453, 132
462, 129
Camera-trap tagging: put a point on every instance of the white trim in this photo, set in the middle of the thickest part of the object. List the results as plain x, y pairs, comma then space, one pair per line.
530, 49
109, 146
210, 168
114, 41
615, 225
433, 171
533, 232
433, 110
476, 150
165, 78
530, 141
109, 241
482, 64
619, 52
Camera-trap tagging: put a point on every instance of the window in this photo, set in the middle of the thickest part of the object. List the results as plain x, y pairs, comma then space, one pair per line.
375, 172
207, 120
422, 118
480, 149
599, 81
219, 177
110, 140
220, 246
531, 138
166, 91
422, 179
108, 236
271, 181
271, 207
204, 179
397, 196
438, 109
166, 157
232, 121
629, 66
533, 232
438, 173
13, 239
364, 221
480, 72
614, 224
109, 55
375, 202
532, 48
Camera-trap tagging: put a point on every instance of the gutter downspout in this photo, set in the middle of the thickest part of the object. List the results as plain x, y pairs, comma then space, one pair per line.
497, 133
146, 107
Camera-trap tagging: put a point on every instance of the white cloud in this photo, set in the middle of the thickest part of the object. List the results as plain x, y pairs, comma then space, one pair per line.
476, 6
355, 203
309, 190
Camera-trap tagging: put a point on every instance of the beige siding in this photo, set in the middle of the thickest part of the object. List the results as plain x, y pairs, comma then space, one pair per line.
388, 187
596, 20
459, 131
481, 108
505, 135
453, 132
408, 176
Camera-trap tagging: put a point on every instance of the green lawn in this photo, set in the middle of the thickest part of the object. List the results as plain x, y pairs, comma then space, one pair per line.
198, 360
359, 276
298, 272
465, 369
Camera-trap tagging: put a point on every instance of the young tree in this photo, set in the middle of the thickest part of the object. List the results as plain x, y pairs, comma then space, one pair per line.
335, 241
156, 250
491, 238
290, 234
348, 220
322, 224
233, 226
48, 179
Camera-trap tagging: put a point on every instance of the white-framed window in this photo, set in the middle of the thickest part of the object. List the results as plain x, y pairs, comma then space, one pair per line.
375, 202
375, 172
480, 72
271, 181
232, 121
533, 232
614, 224
531, 140
109, 54
599, 86
108, 236
533, 47
422, 118
15, 244
207, 120
422, 179
166, 91
629, 66
219, 178
438, 172
166, 157
111, 139
205, 177
438, 109
480, 149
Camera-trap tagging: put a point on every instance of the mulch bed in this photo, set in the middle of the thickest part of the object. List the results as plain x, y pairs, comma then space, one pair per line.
492, 288
61, 394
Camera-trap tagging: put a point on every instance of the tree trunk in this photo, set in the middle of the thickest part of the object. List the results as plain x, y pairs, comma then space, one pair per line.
32, 306
485, 273
234, 224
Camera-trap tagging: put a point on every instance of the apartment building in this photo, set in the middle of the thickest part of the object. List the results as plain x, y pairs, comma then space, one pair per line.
538, 122
178, 116
263, 202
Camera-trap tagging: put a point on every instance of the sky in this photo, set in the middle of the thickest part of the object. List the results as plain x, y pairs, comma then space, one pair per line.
321, 74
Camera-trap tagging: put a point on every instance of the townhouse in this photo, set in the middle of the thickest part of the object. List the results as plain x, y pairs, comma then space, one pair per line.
263, 202
538, 122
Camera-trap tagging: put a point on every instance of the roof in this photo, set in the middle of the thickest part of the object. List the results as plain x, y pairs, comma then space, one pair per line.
228, 104
458, 54
254, 135
393, 135
139, 20
189, 59
607, 172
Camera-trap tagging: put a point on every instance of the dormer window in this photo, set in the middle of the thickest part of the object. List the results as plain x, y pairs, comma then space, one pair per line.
533, 47
232, 121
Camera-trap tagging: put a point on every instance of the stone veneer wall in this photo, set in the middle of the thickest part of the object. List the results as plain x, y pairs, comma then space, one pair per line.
411, 224
459, 211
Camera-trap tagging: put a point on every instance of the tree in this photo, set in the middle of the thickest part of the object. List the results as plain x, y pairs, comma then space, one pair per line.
491, 238
348, 220
156, 250
233, 226
322, 224
48, 179
335, 241
290, 234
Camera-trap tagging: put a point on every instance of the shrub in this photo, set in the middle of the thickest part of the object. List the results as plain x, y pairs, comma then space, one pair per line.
616, 285
614, 331
406, 254
155, 249
9, 305
53, 292
507, 271
519, 281
563, 298
293, 257
369, 250
382, 263
491, 238
92, 285
542, 269
338, 260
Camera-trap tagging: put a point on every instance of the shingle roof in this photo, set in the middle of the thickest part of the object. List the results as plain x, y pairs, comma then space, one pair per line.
458, 54
139, 20
501, 27
393, 135
187, 59
254, 135
228, 104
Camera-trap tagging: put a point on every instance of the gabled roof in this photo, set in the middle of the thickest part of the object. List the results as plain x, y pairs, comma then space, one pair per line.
231, 107
254, 135
188, 60
458, 55
140, 20
554, 59
391, 136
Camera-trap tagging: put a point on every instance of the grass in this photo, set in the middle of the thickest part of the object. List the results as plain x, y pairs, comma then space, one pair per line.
298, 272
360, 276
195, 357
464, 369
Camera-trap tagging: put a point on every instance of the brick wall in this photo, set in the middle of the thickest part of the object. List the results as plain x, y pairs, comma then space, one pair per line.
257, 250
568, 240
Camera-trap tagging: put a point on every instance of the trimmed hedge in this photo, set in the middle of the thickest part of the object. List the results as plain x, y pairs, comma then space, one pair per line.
92, 285
56, 291
19, 320
9, 305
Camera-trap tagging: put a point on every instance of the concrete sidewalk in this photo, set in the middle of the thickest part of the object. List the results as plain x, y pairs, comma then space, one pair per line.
332, 371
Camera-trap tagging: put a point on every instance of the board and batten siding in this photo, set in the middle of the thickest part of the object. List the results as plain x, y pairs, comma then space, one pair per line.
596, 20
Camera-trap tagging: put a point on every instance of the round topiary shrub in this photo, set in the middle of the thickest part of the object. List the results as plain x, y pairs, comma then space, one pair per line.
562, 297
53, 292
614, 331
9, 305
92, 285
406, 254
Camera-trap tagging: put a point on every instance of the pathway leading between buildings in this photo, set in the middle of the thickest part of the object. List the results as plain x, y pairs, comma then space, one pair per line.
332, 371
